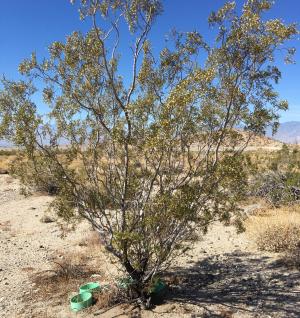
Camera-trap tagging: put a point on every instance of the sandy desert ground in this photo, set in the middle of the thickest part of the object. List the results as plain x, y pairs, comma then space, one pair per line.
221, 276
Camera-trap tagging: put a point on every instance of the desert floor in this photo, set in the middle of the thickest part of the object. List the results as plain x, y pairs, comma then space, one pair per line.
223, 275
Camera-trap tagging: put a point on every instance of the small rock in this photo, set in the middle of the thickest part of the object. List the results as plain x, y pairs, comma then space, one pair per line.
47, 219
41, 246
95, 275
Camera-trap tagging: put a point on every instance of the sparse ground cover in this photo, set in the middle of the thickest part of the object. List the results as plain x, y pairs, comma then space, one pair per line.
223, 275
254, 274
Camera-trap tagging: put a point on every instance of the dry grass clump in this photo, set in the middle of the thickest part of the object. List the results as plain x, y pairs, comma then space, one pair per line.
276, 230
57, 283
5, 162
6, 158
68, 271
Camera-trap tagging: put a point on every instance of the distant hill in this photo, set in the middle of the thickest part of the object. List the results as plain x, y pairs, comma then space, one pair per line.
267, 142
261, 142
288, 132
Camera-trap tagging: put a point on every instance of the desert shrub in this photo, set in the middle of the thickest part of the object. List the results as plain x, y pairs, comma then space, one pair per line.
279, 181
153, 172
49, 187
35, 178
292, 179
275, 187
286, 159
276, 230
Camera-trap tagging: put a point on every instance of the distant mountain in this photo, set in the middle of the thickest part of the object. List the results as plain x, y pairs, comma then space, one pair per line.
288, 132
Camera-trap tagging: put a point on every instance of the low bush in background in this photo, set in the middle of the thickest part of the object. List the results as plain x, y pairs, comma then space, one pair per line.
7, 156
276, 176
276, 230
276, 187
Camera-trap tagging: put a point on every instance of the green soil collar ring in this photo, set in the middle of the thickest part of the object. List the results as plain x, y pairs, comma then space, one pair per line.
90, 287
81, 301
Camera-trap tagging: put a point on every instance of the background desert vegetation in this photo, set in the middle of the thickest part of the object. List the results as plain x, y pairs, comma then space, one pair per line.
7, 157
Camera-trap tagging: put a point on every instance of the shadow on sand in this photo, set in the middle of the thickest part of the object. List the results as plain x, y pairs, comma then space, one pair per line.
241, 282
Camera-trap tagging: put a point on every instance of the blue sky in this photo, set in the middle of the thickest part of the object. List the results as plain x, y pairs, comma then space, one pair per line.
31, 25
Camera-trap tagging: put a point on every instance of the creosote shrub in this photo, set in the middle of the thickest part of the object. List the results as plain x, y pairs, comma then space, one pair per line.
158, 156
